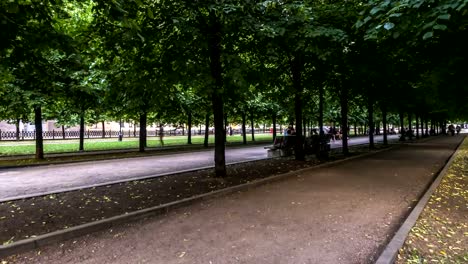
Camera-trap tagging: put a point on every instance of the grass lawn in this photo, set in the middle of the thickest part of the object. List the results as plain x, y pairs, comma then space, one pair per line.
59, 146
441, 233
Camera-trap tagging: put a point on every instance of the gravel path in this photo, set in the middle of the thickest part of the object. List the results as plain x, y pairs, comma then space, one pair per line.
35, 181
339, 214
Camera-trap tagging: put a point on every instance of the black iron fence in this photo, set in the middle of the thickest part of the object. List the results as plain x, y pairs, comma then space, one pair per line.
59, 134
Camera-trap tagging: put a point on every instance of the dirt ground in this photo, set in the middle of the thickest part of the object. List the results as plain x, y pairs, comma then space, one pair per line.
340, 214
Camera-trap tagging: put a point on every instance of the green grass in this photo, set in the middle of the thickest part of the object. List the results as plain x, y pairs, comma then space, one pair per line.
59, 146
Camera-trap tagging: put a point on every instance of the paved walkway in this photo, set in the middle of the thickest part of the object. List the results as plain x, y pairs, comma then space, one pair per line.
35, 181
340, 214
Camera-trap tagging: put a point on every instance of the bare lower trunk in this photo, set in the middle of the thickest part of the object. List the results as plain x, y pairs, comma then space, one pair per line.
81, 148
344, 118
244, 131
384, 122
274, 126
39, 139
189, 132
320, 119
252, 127
214, 42
103, 129
142, 139
17, 124
371, 123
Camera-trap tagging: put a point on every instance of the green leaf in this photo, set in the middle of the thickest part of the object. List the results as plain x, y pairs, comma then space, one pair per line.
440, 27
389, 25
428, 35
444, 17
375, 10
150, 13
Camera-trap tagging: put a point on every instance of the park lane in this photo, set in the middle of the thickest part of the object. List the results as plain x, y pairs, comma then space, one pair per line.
34, 181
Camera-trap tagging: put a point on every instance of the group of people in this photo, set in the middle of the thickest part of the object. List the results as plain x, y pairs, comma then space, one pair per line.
452, 129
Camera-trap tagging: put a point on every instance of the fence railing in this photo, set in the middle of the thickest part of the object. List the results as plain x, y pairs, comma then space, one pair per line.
58, 134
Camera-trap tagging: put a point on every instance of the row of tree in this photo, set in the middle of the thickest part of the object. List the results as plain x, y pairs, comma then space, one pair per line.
232, 61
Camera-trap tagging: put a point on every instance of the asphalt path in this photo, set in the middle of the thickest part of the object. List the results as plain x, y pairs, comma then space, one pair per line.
26, 182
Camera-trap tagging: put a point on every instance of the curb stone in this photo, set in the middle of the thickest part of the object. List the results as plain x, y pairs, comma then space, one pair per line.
390, 252
61, 235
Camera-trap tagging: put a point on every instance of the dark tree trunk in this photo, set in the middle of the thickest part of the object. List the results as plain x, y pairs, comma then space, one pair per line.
134, 128
39, 139
63, 131
384, 123
402, 127
189, 129
355, 129
320, 118
252, 126
17, 125
417, 127
344, 118
82, 131
244, 131
207, 130
142, 139
371, 123
296, 68
410, 126
427, 126
103, 129
214, 43
274, 126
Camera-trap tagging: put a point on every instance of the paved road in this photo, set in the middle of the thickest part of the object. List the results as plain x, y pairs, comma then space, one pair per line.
35, 181
339, 214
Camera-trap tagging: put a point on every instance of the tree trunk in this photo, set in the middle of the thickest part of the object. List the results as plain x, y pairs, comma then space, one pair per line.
134, 128
355, 129
417, 127
371, 123
142, 139
320, 118
82, 130
402, 127
103, 129
214, 43
207, 130
410, 126
244, 131
427, 126
17, 125
274, 126
384, 123
39, 139
189, 129
296, 68
63, 131
252, 126
344, 118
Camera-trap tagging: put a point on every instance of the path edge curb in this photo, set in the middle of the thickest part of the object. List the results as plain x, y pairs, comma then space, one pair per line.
99, 225
390, 252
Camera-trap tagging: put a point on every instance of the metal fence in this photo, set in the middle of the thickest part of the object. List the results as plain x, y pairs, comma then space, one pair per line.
57, 135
